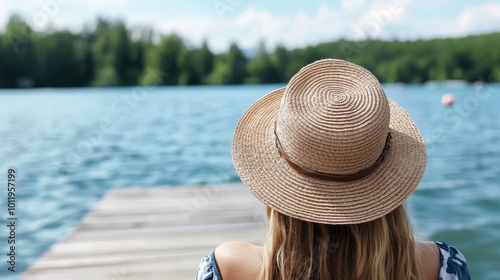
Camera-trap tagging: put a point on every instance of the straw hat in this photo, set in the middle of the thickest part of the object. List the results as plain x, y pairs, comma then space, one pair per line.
330, 147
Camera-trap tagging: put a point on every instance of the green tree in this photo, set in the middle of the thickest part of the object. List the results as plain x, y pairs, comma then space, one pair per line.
19, 55
195, 64
204, 62
62, 60
280, 60
261, 69
3, 82
118, 59
230, 68
187, 61
164, 57
121, 54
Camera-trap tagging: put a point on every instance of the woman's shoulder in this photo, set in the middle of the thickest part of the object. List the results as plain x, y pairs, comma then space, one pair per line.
429, 255
238, 249
231, 260
239, 260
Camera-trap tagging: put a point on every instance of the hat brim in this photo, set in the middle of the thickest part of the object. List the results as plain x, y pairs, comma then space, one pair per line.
276, 184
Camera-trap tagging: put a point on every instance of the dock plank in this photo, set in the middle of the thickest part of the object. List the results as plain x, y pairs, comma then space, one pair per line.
152, 233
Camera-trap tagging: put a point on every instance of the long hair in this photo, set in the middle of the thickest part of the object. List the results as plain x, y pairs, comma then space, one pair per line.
382, 249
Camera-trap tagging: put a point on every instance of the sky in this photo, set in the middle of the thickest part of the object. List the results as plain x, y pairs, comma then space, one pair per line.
248, 22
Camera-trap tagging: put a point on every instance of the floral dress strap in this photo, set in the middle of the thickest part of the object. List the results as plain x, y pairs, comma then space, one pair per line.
453, 265
208, 269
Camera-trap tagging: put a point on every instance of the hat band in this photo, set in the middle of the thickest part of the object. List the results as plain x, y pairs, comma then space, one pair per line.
329, 176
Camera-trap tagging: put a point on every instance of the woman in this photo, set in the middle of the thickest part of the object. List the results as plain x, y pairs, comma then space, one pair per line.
334, 160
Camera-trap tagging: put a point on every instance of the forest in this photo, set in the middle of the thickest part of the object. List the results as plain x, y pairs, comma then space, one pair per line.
110, 54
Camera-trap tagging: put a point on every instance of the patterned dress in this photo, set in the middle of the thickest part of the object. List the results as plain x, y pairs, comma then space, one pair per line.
452, 265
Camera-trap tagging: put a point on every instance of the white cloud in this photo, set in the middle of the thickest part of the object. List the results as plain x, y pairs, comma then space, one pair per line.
253, 25
99, 5
9, 8
46, 14
378, 19
352, 19
352, 4
471, 20
483, 18
4, 14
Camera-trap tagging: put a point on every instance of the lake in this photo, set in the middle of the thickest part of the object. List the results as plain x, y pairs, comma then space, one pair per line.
69, 146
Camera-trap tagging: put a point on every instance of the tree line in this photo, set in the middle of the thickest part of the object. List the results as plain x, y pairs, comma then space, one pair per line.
110, 54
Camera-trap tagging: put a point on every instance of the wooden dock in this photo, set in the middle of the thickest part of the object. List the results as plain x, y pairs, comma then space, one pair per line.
152, 233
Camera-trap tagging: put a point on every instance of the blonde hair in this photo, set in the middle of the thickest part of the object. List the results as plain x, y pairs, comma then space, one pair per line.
380, 249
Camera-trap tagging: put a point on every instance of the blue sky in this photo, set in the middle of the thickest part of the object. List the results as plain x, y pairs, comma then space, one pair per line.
292, 23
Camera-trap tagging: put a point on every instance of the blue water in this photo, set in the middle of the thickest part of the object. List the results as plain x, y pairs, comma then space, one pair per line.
70, 146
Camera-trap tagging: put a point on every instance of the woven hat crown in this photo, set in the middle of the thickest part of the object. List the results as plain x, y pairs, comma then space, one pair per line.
330, 147
333, 118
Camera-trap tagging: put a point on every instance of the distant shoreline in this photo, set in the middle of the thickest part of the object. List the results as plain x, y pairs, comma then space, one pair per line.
433, 84
110, 56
